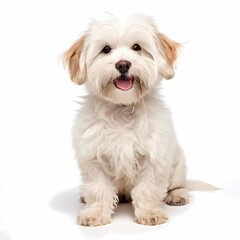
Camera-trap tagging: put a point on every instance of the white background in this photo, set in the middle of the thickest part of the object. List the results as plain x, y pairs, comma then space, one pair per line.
39, 179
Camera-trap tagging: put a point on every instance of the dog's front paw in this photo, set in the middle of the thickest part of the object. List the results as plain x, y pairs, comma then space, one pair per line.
90, 218
151, 218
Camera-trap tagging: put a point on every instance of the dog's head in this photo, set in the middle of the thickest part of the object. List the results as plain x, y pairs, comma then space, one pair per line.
122, 63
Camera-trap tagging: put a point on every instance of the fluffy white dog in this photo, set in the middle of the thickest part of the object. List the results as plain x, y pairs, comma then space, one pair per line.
123, 135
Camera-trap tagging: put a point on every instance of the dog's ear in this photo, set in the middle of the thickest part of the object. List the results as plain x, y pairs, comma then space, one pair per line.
168, 49
74, 59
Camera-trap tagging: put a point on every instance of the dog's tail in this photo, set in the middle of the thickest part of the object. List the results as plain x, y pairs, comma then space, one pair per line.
195, 185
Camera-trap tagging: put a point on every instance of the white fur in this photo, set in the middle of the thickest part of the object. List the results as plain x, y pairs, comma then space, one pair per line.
125, 141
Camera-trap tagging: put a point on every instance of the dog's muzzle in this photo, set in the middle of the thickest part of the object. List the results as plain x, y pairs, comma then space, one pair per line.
124, 82
123, 66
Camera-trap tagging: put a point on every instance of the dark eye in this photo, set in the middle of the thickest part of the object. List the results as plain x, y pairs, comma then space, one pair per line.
136, 47
106, 49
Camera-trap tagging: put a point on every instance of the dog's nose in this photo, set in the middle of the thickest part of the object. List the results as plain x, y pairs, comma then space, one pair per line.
123, 66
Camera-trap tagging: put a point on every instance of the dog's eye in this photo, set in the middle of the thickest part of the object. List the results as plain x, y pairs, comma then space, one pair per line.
136, 47
106, 49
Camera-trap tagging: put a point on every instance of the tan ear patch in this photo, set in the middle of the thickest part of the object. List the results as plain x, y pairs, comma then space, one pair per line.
169, 50
72, 58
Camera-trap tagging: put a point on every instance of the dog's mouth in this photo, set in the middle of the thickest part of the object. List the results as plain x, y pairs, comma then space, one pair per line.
124, 82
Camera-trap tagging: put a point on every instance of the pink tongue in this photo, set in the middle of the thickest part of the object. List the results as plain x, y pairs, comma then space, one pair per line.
124, 83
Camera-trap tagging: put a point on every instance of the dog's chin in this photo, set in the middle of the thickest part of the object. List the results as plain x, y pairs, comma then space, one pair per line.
124, 90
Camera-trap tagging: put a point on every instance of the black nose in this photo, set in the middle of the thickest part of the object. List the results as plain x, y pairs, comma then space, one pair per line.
123, 66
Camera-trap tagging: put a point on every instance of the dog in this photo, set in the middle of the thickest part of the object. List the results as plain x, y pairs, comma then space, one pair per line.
123, 135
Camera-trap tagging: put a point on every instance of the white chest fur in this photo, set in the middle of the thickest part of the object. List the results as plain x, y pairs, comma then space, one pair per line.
119, 139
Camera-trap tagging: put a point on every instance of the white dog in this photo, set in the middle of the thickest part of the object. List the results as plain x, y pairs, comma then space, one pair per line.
123, 135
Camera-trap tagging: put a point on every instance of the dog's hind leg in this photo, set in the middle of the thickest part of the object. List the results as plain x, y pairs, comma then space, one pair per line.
177, 193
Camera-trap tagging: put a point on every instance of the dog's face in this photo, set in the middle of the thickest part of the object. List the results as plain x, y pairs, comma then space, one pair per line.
122, 63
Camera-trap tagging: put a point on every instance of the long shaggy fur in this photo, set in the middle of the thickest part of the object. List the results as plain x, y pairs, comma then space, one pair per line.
124, 140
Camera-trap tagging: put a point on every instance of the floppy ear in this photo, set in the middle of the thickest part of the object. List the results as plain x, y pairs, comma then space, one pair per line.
168, 49
74, 59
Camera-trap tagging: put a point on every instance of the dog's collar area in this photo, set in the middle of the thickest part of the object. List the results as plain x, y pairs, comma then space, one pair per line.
132, 108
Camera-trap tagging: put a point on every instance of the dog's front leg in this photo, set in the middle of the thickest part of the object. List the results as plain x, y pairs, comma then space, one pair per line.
100, 197
148, 195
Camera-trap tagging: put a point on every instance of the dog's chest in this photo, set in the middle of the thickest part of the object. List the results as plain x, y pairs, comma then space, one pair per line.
124, 146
